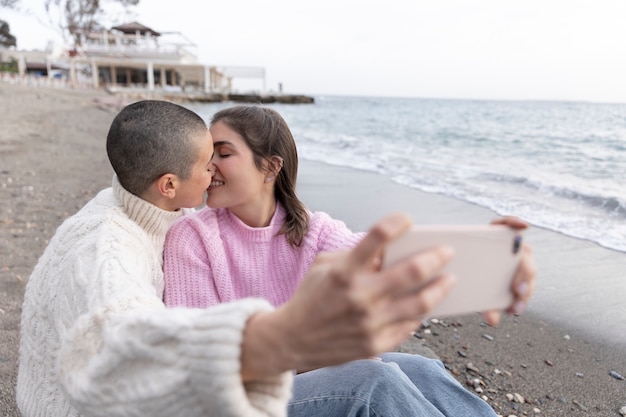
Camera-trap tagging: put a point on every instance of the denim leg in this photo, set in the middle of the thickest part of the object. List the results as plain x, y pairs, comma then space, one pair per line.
439, 387
365, 388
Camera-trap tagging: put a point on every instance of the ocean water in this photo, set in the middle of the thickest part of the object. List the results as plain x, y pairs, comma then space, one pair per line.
558, 165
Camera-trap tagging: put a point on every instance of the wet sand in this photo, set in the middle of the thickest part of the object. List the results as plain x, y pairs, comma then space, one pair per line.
53, 160
558, 354
580, 284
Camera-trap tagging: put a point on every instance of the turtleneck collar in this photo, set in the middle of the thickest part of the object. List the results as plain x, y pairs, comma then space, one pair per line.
152, 219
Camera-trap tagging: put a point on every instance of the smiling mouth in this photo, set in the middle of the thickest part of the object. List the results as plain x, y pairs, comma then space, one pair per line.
216, 184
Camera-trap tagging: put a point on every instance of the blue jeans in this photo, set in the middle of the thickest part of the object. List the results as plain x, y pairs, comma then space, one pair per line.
401, 385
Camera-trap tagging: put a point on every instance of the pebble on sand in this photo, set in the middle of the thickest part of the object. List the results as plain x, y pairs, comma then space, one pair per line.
616, 375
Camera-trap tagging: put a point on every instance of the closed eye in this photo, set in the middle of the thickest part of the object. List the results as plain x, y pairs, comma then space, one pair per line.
222, 148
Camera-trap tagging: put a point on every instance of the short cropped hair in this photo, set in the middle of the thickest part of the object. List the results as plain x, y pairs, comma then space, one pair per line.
150, 138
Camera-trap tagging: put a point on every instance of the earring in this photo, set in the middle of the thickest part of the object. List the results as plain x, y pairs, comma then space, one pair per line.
269, 179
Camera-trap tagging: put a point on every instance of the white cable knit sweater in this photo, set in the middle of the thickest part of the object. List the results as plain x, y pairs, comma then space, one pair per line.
96, 339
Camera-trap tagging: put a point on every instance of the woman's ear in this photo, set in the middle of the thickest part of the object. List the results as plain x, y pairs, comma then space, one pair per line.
274, 166
277, 164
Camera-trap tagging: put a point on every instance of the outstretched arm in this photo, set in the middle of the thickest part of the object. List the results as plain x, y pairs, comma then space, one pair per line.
126, 354
347, 307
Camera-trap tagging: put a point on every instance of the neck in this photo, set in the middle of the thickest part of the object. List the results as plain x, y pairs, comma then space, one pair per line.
256, 215
158, 200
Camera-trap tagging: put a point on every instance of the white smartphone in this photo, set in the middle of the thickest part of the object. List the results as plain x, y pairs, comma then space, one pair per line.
485, 260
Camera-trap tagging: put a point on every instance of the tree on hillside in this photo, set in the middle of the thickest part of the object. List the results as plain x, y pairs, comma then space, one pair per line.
8, 3
75, 17
6, 39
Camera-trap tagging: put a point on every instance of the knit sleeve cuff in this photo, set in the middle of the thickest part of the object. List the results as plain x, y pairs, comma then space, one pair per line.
220, 376
164, 362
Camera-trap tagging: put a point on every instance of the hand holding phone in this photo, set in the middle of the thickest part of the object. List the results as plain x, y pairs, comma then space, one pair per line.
485, 260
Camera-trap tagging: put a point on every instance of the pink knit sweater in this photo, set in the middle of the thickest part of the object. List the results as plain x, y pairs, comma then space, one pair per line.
212, 257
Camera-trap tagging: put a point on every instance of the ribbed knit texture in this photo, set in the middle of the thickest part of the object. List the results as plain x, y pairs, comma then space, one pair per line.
96, 339
213, 257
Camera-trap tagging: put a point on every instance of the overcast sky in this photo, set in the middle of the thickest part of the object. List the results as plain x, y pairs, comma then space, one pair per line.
485, 49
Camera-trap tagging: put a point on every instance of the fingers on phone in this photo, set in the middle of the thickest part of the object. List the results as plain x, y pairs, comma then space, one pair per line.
413, 272
492, 317
379, 235
524, 282
511, 221
424, 299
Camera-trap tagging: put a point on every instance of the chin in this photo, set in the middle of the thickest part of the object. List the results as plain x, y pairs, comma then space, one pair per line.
211, 202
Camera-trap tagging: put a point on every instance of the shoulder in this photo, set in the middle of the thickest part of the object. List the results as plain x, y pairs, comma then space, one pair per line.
331, 234
320, 220
100, 229
321, 225
100, 213
196, 226
205, 217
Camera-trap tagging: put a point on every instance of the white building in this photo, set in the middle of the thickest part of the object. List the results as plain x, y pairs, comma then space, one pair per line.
133, 57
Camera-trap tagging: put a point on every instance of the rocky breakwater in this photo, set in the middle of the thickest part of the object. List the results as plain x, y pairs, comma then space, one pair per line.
180, 96
281, 98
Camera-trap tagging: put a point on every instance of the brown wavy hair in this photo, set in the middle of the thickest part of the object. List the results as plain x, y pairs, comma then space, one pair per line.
267, 135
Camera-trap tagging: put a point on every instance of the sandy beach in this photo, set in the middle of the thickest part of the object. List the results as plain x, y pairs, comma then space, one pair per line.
555, 360
559, 354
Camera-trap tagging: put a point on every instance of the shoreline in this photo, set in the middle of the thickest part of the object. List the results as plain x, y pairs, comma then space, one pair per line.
54, 160
562, 261
558, 355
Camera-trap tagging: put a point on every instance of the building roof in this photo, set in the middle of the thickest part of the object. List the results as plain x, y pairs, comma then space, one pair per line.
134, 27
